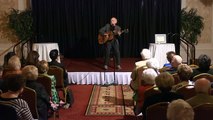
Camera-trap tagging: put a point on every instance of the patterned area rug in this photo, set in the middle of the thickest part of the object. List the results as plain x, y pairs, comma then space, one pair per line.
110, 100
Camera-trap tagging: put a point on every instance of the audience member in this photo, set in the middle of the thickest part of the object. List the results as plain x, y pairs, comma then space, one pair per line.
139, 67
204, 63
154, 64
15, 85
176, 60
202, 88
13, 67
184, 72
145, 55
30, 73
180, 110
54, 55
147, 81
43, 69
32, 58
164, 82
169, 56
7, 57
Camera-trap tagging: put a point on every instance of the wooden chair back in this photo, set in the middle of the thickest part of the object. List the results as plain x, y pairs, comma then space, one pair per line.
46, 82
59, 75
30, 96
157, 111
203, 111
187, 91
203, 75
7, 112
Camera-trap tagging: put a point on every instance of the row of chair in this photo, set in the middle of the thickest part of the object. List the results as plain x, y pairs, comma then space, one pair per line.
158, 111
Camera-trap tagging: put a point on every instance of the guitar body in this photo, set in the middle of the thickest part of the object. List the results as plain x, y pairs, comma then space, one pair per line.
104, 38
109, 36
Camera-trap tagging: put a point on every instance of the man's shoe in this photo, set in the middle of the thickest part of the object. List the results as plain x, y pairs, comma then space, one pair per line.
105, 67
118, 67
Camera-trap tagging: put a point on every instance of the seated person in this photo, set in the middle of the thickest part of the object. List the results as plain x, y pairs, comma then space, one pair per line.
54, 55
176, 60
13, 67
137, 72
180, 110
32, 58
169, 56
30, 74
145, 55
204, 63
164, 81
147, 81
15, 86
7, 57
42, 70
184, 72
202, 88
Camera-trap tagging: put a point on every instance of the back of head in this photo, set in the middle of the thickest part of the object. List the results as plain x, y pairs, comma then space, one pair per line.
7, 57
204, 62
202, 85
176, 60
32, 58
152, 63
180, 110
184, 72
43, 66
14, 63
164, 81
53, 54
145, 54
148, 76
14, 82
169, 55
30, 72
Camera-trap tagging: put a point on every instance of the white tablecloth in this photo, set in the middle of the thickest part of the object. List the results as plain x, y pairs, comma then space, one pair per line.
43, 49
159, 51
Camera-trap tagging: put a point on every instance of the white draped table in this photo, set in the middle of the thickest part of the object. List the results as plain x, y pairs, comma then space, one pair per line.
159, 51
99, 78
43, 49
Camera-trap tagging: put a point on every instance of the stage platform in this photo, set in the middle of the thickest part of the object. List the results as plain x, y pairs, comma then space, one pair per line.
90, 71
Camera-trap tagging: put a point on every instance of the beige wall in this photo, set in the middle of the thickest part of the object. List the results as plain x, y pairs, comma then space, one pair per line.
204, 9
6, 37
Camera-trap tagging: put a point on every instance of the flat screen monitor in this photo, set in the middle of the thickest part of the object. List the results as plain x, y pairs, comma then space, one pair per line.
160, 38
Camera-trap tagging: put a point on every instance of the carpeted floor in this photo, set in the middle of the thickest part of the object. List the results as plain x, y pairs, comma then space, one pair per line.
77, 112
110, 101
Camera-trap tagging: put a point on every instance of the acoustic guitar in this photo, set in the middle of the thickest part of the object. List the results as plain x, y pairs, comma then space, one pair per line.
109, 36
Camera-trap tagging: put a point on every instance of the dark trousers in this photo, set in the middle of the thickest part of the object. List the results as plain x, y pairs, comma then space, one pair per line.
114, 45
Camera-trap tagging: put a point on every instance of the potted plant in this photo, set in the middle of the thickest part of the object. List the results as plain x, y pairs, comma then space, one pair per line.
22, 23
191, 27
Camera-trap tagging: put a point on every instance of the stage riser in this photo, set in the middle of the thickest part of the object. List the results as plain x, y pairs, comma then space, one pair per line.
99, 78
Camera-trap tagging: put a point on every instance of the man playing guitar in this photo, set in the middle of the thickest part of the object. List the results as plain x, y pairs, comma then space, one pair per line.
109, 37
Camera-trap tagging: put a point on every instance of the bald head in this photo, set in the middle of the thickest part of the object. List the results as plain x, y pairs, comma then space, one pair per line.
202, 85
113, 21
176, 60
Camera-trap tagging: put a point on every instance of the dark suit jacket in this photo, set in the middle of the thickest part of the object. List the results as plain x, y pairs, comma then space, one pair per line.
161, 97
43, 99
200, 99
55, 63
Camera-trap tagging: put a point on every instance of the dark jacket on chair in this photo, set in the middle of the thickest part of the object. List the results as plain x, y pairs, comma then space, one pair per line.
43, 99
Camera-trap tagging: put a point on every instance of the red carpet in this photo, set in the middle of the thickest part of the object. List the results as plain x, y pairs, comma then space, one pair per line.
77, 112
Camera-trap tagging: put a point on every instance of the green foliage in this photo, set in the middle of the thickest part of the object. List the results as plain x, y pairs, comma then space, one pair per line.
191, 25
22, 23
